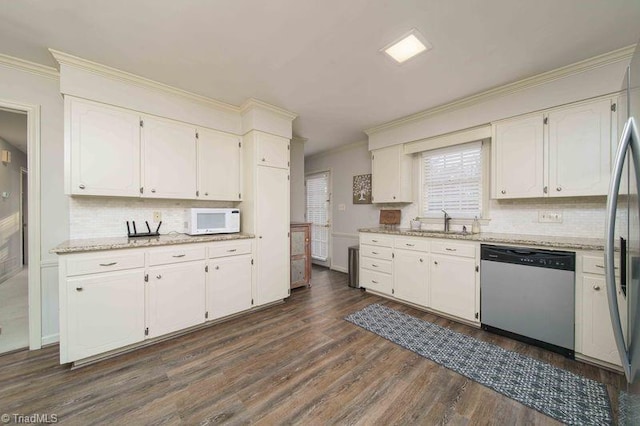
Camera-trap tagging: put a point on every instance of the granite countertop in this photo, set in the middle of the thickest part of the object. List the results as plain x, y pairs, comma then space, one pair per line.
576, 243
114, 243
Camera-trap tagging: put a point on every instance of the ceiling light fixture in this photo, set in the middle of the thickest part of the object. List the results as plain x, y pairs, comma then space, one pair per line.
407, 47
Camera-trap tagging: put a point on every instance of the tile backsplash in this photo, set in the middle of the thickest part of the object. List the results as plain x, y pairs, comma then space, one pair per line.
93, 217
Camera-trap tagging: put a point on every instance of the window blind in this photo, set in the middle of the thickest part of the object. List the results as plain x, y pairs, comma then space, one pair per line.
452, 181
317, 187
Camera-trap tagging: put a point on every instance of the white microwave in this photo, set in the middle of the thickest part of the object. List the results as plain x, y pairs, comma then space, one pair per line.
202, 221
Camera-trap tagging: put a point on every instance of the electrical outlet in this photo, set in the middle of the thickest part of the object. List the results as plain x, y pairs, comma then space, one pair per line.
549, 216
157, 217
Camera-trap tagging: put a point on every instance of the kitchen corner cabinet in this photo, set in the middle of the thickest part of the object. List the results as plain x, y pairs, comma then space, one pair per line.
561, 152
169, 159
219, 166
102, 149
391, 179
300, 254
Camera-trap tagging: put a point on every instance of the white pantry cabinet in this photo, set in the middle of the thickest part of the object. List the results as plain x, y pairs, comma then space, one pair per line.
391, 171
272, 151
219, 166
228, 286
411, 277
102, 149
169, 159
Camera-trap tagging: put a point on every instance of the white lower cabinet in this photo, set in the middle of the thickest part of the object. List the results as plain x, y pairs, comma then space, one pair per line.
103, 312
411, 278
453, 285
175, 297
228, 286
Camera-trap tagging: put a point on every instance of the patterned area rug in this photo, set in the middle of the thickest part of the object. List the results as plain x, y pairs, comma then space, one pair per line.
566, 397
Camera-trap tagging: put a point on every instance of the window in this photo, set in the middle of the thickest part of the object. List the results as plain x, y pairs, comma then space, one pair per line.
452, 181
317, 186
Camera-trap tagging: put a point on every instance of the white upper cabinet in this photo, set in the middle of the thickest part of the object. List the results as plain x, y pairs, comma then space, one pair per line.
580, 149
219, 166
391, 171
272, 151
169, 159
518, 158
102, 149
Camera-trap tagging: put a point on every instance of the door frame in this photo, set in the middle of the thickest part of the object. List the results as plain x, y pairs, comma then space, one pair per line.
329, 172
33, 216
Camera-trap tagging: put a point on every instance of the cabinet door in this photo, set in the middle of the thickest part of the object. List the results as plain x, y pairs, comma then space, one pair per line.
518, 158
169, 159
411, 276
104, 312
175, 297
218, 166
273, 151
391, 175
228, 286
580, 150
597, 331
452, 286
272, 228
300, 240
104, 157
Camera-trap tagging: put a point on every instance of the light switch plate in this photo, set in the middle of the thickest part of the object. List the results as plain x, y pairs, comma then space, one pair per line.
549, 216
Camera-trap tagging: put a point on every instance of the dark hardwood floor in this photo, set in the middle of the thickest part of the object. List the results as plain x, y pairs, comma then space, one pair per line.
298, 362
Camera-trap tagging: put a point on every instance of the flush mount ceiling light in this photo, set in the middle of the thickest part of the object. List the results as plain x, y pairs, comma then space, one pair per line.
407, 47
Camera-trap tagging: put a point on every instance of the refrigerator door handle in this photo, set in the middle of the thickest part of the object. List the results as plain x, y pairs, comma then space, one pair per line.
628, 141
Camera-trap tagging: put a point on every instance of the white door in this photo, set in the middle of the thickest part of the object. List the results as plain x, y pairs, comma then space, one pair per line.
411, 276
104, 158
452, 285
169, 159
272, 229
385, 175
219, 161
228, 286
518, 158
580, 150
273, 151
597, 332
318, 211
175, 297
104, 312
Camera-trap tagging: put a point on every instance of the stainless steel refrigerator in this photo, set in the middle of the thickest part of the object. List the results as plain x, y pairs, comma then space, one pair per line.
623, 238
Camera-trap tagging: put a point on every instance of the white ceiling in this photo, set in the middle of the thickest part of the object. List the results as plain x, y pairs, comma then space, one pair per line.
13, 129
321, 58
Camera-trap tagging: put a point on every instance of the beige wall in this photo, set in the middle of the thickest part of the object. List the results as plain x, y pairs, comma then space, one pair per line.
297, 181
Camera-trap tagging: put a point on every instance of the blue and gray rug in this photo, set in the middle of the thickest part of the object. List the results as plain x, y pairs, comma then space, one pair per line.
567, 397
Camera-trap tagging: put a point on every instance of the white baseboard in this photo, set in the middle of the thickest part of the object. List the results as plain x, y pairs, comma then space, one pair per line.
339, 269
50, 339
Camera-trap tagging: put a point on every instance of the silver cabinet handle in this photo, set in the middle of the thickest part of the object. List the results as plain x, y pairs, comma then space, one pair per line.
79, 289
232, 250
158, 276
374, 252
81, 186
178, 255
559, 189
109, 264
374, 281
450, 249
374, 241
410, 245
602, 267
545, 189
374, 265
596, 287
153, 190
503, 191
217, 267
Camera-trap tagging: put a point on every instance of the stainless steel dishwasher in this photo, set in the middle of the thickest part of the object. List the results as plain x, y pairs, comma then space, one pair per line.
529, 295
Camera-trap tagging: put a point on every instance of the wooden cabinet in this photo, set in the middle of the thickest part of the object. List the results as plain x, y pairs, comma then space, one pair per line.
103, 312
228, 286
518, 157
561, 152
452, 285
411, 277
272, 151
391, 171
169, 159
300, 254
102, 149
219, 162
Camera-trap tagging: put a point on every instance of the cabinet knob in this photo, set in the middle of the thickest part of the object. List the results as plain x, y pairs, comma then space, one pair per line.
153, 190
217, 267
206, 193
596, 287
158, 276
394, 197
559, 189
545, 189
81, 186
260, 237
79, 289
263, 159
435, 262
421, 260
503, 192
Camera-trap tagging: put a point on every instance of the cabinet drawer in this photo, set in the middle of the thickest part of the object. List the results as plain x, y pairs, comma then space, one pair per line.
104, 262
595, 264
376, 240
411, 244
455, 249
231, 248
175, 255
376, 281
376, 264
375, 252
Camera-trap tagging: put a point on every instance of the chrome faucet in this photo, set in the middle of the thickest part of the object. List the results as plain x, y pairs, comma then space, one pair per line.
447, 219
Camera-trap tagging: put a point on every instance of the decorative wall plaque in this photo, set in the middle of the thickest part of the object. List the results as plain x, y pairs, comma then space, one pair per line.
362, 189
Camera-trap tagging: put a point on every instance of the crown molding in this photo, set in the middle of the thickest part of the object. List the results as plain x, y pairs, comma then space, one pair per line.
116, 74
338, 149
299, 139
256, 103
32, 67
614, 56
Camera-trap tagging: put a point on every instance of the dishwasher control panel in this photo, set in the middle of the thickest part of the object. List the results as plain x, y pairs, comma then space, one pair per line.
563, 260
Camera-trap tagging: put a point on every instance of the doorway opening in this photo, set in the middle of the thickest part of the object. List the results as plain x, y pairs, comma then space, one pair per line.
14, 260
318, 213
